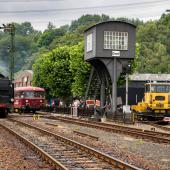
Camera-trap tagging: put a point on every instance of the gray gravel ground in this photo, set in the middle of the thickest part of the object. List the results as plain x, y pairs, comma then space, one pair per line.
143, 153
159, 153
14, 155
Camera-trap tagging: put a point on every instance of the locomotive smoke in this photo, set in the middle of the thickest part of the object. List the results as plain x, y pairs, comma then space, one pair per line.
3, 68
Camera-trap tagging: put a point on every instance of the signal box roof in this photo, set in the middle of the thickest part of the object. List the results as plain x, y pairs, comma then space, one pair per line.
29, 88
114, 21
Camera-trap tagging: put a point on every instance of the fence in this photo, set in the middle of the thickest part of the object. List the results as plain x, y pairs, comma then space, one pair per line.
88, 112
62, 110
85, 112
121, 117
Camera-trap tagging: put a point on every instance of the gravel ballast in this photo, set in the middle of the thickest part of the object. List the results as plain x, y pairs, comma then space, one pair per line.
142, 153
14, 155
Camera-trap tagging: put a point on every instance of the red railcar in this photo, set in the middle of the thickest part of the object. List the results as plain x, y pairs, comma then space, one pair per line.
28, 99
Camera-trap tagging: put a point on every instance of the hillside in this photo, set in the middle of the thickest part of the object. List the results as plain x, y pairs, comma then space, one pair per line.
153, 39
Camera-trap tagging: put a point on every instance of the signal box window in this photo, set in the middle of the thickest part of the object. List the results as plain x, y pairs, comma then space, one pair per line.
89, 44
115, 40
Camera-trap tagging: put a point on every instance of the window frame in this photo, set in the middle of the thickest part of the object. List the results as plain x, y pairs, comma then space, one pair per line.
114, 40
89, 42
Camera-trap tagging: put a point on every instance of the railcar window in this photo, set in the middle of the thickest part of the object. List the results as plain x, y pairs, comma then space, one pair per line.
29, 94
147, 88
157, 88
160, 98
19, 94
39, 94
162, 89
153, 88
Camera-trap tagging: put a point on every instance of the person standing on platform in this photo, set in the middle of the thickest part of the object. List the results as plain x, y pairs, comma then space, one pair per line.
76, 104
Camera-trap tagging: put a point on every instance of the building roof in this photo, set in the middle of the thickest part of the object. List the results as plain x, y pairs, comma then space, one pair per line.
150, 77
29, 88
110, 21
22, 73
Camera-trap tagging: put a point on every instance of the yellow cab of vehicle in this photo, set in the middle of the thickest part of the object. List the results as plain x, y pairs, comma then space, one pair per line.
156, 99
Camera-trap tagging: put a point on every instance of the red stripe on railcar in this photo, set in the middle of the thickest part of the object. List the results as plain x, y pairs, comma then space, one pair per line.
3, 105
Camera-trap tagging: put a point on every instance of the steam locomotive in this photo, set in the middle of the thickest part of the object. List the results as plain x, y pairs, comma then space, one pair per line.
6, 96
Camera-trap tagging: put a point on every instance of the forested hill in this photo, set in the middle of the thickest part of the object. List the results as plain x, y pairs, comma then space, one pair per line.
153, 42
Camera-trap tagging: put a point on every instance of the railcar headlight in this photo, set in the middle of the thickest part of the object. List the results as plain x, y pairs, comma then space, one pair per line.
41, 101
12, 100
26, 101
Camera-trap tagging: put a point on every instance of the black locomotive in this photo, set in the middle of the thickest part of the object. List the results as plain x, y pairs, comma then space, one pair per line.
6, 96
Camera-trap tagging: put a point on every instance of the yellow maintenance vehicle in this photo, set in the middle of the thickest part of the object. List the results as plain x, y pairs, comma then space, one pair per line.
155, 104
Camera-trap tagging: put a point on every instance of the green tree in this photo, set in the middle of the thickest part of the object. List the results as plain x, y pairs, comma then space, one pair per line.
153, 38
50, 34
51, 71
88, 20
24, 28
79, 69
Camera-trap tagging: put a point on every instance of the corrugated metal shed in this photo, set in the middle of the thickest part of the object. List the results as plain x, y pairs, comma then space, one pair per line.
150, 77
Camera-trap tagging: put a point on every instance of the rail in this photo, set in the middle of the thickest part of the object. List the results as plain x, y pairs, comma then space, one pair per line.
45, 156
102, 156
85, 134
153, 136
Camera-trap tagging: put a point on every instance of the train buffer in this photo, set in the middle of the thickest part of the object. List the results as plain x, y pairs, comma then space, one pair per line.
36, 117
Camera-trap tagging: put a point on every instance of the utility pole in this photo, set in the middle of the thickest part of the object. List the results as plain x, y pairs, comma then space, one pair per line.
11, 29
127, 89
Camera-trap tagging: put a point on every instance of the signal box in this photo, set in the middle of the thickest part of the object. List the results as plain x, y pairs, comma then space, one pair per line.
109, 40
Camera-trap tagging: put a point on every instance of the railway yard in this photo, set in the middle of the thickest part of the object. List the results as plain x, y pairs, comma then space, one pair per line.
64, 142
92, 94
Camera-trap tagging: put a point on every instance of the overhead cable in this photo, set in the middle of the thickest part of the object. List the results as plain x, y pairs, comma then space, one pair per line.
113, 6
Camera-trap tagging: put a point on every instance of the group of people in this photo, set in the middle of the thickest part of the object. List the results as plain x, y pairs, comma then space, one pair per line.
76, 103
55, 103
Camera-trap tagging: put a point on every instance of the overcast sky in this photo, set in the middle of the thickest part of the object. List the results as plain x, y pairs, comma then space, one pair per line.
60, 12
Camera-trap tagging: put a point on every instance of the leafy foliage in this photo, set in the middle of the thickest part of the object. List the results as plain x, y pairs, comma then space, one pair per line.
88, 20
57, 53
51, 71
153, 41
79, 68
49, 35
25, 44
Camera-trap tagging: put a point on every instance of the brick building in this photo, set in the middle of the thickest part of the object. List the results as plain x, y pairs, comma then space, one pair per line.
23, 78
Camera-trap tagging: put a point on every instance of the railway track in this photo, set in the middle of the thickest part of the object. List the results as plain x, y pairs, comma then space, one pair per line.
62, 152
158, 137
160, 127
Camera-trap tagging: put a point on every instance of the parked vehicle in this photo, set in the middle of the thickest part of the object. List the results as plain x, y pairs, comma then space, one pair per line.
156, 102
6, 96
29, 99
